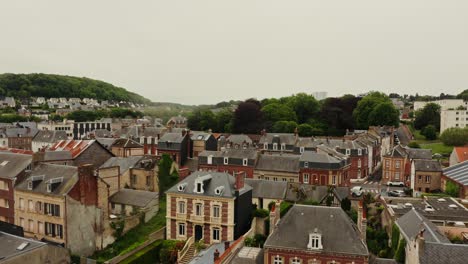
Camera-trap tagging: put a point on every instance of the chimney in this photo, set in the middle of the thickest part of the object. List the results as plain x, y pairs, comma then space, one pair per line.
87, 184
274, 216
37, 158
239, 180
420, 242
362, 221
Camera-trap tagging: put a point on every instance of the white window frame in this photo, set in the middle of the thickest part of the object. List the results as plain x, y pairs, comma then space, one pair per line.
216, 231
306, 177
216, 211
182, 208
182, 227
209, 159
359, 152
301, 150
333, 179
348, 152
395, 176
245, 162
359, 163
296, 260
196, 206
427, 179
226, 160
277, 260
275, 146
306, 164
265, 146
397, 164
283, 146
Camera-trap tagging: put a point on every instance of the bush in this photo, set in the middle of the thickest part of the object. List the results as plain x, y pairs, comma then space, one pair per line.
414, 144
395, 237
310, 202
429, 132
260, 213
452, 189
284, 208
400, 253
455, 136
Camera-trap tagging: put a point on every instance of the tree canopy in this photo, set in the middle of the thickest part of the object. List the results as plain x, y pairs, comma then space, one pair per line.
375, 109
455, 136
51, 85
429, 115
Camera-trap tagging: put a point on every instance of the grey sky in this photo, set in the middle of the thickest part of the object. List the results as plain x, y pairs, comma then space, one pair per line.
206, 51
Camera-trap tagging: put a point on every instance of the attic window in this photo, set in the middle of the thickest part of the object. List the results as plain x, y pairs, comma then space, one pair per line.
275, 146
30, 185
22, 246
348, 152
315, 240
210, 159
301, 150
226, 160
244, 162
5, 162
199, 187
181, 187
265, 146
283, 146
200, 137
306, 164
359, 152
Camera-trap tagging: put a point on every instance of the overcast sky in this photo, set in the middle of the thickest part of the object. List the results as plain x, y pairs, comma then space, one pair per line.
206, 51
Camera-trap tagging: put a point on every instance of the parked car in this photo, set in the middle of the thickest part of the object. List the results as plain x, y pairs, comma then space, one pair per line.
356, 191
396, 193
396, 183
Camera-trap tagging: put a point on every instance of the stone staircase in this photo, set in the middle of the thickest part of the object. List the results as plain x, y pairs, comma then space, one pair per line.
188, 256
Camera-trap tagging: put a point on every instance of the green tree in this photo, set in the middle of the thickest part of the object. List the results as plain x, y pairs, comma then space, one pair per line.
165, 177
384, 114
400, 253
452, 189
201, 120
223, 120
414, 144
455, 136
248, 117
395, 237
429, 132
346, 204
429, 115
284, 127
304, 105
306, 130
366, 106
278, 112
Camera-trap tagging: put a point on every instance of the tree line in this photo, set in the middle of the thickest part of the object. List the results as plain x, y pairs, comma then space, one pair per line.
331, 116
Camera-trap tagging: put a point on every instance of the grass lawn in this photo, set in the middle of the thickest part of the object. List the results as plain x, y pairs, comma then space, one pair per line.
134, 237
438, 148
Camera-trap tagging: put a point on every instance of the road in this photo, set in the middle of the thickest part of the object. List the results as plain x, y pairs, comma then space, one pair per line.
375, 187
403, 134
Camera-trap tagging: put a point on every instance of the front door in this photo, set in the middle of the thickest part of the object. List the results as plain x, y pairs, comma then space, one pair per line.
198, 232
323, 180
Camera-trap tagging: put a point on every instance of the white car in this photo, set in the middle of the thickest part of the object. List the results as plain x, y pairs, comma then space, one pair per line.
396, 183
356, 191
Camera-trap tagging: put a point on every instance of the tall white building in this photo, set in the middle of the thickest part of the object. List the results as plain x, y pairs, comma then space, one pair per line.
320, 95
445, 104
453, 118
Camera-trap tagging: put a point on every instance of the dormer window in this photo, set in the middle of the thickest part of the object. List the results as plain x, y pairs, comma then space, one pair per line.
301, 150
283, 146
245, 162
306, 164
199, 187
30, 185
359, 152
49, 187
181, 187
275, 146
315, 241
265, 146
226, 160
210, 159
348, 152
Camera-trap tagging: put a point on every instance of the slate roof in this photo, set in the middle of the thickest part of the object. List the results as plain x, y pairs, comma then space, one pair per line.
239, 139
101, 133
134, 197
414, 153
172, 137
57, 155
280, 163
397, 152
218, 179
68, 174
411, 224
124, 163
50, 136
13, 164
126, 143
322, 160
199, 135
436, 253
10, 243
231, 153
458, 172
427, 165
267, 189
313, 192
286, 138
23, 132
106, 142
339, 233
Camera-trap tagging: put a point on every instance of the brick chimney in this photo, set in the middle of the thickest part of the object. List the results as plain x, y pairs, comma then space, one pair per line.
87, 182
420, 242
239, 180
275, 215
362, 221
37, 158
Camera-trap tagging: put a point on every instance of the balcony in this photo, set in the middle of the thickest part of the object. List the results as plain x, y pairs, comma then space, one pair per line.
216, 220
197, 218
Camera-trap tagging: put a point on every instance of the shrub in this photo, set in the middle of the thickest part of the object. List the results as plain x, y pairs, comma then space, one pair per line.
260, 213
452, 189
400, 253
429, 132
414, 144
455, 136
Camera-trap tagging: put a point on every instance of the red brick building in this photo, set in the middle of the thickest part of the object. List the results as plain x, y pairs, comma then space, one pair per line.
323, 169
12, 171
213, 206
318, 235
231, 161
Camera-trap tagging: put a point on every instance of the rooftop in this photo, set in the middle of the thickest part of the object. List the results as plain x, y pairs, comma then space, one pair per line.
134, 197
458, 173
12, 164
279, 163
10, 245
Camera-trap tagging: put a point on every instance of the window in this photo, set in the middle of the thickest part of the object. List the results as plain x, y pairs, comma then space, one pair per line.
31, 225
397, 164
305, 178
181, 229
216, 234
295, 260
275, 179
359, 152
334, 180
284, 179
198, 209
301, 150
52, 209
245, 162
277, 260
428, 179
31, 205
40, 227
387, 163
265, 145
148, 180
199, 187
283, 146
359, 163
181, 207
315, 241
21, 203
133, 179
306, 164
216, 211
210, 159
3, 185
387, 174
275, 146
348, 152
397, 176
226, 160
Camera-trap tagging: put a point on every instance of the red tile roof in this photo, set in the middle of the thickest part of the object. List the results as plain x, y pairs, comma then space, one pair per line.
462, 153
76, 147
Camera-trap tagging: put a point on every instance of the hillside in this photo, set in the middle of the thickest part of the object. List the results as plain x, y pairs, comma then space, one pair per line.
51, 85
